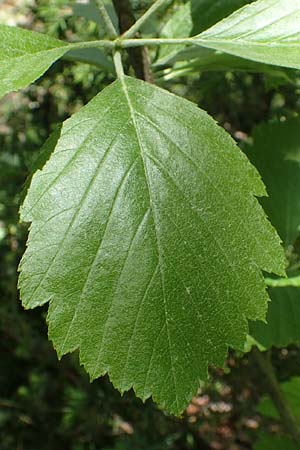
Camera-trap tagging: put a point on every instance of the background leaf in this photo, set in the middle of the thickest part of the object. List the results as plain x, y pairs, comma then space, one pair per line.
93, 56
272, 442
179, 25
282, 325
138, 229
276, 154
291, 391
199, 59
90, 11
206, 13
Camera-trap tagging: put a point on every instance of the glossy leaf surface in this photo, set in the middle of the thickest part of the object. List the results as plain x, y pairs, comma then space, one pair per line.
143, 222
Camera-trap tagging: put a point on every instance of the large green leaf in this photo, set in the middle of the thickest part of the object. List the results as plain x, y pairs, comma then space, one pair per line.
25, 56
267, 31
148, 241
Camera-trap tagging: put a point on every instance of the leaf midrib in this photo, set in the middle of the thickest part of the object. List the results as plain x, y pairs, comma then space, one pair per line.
152, 209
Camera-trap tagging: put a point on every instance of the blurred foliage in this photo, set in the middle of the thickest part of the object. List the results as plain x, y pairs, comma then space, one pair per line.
291, 391
46, 404
269, 442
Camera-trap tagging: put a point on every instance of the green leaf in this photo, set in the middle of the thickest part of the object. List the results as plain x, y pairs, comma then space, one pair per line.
291, 392
282, 325
25, 56
89, 11
273, 442
275, 152
266, 31
148, 241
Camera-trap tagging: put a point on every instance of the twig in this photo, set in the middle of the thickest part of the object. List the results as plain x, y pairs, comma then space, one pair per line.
111, 30
129, 43
125, 43
140, 22
138, 57
118, 64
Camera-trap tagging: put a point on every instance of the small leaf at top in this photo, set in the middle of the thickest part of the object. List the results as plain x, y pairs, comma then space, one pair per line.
148, 241
266, 31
